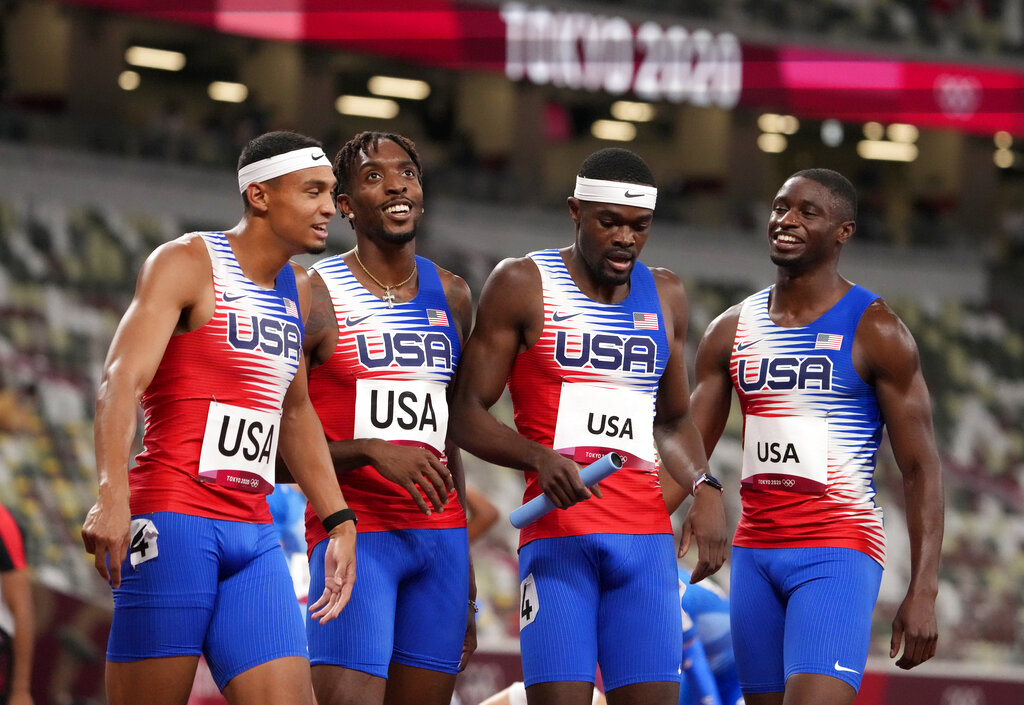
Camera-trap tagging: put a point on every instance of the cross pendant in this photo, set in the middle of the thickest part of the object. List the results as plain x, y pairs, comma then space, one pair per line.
388, 297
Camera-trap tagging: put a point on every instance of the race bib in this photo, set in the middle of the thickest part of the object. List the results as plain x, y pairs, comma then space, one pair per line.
786, 453
143, 541
593, 420
240, 448
402, 410
529, 605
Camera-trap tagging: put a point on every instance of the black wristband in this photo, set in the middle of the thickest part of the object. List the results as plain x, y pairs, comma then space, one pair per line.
339, 518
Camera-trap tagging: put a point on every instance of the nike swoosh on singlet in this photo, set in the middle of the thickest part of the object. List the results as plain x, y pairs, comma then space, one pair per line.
844, 668
229, 298
743, 346
558, 316
356, 321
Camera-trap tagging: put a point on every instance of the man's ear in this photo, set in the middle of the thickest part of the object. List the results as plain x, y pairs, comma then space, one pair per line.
846, 230
574, 209
258, 195
343, 204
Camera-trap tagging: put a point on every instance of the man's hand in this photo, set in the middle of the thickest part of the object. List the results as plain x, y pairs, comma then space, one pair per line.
705, 522
339, 573
560, 480
915, 619
414, 469
469, 643
106, 534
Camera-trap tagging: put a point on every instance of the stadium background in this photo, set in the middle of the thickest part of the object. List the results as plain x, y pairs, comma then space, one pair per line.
102, 159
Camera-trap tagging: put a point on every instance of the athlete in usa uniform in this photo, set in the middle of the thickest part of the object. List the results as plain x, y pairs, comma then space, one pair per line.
591, 343
614, 356
381, 358
819, 364
212, 345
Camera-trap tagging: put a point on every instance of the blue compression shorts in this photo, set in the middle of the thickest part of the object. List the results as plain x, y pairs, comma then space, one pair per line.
409, 605
611, 599
217, 588
801, 610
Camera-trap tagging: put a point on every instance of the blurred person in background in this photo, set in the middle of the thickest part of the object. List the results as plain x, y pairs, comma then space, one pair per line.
383, 342
17, 615
482, 514
709, 664
819, 365
211, 345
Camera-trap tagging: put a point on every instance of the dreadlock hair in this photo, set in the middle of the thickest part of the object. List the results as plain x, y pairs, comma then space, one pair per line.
844, 195
269, 145
347, 158
617, 164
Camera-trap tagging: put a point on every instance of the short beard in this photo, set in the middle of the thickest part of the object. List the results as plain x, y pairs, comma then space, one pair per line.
398, 238
316, 249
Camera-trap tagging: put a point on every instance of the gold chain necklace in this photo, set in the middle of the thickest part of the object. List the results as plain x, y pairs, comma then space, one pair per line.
388, 297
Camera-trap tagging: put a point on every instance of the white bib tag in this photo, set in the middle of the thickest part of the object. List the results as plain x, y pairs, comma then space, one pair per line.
597, 418
143, 541
786, 453
529, 605
240, 448
402, 410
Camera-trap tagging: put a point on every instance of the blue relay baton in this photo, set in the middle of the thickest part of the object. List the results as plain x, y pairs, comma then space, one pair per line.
541, 505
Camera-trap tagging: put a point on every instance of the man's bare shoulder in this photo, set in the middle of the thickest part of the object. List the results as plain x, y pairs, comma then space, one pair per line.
455, 287
665, 276
180, 259
515, 270
882, 338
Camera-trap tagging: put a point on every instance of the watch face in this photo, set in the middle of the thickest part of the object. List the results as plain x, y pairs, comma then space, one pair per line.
713, 481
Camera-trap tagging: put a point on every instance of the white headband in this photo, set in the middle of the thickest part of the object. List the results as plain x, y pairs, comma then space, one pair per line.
618, 192
272, 167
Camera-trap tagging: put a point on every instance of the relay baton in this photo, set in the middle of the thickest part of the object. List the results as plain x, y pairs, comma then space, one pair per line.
541, 505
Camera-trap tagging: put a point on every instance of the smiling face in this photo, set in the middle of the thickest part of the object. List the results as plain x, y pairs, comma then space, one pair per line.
386, 195
806, 228
300, 206
609, 238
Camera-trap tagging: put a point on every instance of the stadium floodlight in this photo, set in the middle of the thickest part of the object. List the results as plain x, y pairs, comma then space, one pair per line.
128, 80
882, 150
150, 58
632, 111
227, 91
613, 130
392, 87
781, 124
1004, 158
874, 130
772, 142
832, 133
902, 132
364, 106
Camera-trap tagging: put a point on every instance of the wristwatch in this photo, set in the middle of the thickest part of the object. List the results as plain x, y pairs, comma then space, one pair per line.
708, 479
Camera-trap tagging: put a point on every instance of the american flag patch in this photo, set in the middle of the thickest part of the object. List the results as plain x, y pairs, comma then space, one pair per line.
645, 320
290, 308
437, 317
828, 341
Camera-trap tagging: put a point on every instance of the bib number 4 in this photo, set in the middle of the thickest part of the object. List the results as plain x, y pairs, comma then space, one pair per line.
143, 544
529, 605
